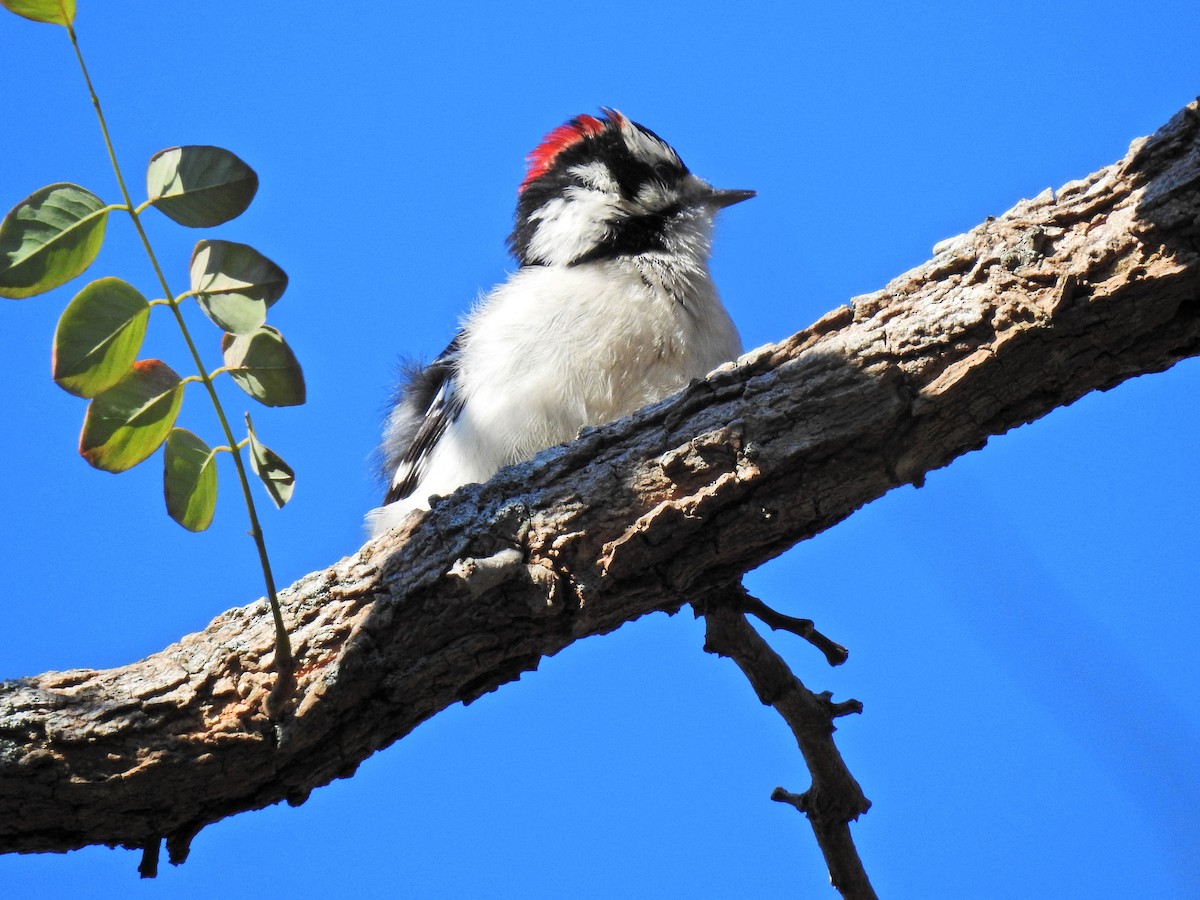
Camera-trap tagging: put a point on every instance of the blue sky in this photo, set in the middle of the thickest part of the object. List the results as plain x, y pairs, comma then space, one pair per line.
1022, 629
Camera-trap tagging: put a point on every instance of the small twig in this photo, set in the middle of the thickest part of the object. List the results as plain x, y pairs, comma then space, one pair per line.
834, 652
779, 795
845, 708
834, 799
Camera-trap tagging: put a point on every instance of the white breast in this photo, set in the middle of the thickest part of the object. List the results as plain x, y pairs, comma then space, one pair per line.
556, 348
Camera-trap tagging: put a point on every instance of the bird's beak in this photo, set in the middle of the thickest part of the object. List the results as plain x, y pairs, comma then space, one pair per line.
722, 199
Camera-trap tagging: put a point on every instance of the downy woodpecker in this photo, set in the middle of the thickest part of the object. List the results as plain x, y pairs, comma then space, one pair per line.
612, 308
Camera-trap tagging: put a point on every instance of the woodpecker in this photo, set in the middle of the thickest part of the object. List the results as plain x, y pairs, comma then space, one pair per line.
612, 308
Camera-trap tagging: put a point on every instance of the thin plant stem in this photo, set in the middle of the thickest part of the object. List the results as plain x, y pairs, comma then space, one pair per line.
283, 645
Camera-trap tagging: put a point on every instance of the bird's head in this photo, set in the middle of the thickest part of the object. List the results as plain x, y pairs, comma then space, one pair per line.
599, 188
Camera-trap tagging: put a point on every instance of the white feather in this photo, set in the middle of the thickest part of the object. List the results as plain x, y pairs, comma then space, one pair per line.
557, 348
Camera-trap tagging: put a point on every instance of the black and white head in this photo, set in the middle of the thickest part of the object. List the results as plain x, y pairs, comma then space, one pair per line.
600, 188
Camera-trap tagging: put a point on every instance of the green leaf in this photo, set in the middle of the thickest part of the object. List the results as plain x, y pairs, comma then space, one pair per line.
276, 475
189, 480
264, 366
235, 284
56, 12
130, 420
200, 186
49, 238
98, 337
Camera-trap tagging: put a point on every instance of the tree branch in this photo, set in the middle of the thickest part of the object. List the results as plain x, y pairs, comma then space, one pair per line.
835, 653
834, 799
1065, 294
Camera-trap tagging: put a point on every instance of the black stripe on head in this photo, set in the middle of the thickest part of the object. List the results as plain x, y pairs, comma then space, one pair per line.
583, 141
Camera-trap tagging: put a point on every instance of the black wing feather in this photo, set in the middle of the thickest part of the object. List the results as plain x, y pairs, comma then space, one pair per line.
430, 395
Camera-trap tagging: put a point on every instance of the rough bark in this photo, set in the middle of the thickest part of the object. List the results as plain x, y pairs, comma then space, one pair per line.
1073, 291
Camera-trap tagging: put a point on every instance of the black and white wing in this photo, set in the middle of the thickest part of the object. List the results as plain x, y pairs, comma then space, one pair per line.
429, 403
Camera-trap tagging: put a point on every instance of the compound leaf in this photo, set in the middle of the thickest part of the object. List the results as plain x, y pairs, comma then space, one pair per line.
235, 284
130, 420
189, 480
98, 337
264, 366
200, 186
48, 238
56, 12
277, 476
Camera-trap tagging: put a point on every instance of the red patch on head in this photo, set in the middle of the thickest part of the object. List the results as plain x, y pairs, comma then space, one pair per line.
542, 158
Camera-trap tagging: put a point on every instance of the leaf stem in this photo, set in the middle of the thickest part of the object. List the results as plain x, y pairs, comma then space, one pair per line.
283, 646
